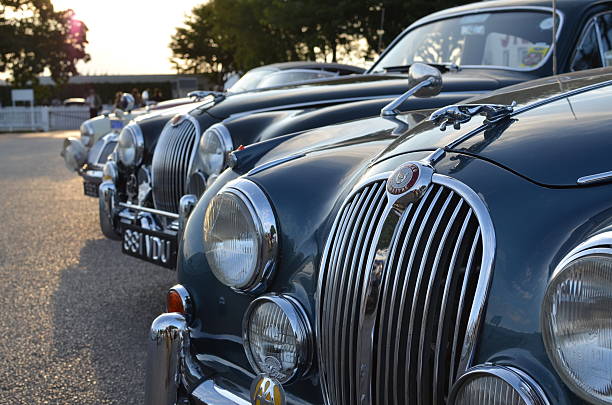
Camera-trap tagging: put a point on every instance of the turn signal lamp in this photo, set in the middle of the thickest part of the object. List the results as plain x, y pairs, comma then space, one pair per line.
178, 300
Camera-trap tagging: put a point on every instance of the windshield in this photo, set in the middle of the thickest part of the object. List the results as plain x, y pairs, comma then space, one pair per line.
293, 76
250, 80
517, 40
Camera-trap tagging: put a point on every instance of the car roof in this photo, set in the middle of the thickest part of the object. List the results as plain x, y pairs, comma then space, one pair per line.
565, 6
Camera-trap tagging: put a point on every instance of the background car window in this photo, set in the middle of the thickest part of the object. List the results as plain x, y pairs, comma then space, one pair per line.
587, 54
605, 28
516, 40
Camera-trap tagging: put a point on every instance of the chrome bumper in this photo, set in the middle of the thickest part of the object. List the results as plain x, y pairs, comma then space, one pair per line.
170, 365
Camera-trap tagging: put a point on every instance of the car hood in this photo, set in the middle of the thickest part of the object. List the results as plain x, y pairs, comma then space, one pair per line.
553, 144
355, 87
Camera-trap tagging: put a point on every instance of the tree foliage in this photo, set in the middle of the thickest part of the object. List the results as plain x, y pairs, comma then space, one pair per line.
34, 37
222, 36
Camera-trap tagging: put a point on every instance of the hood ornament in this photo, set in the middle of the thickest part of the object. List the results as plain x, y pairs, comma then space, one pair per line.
458, 114
199, 95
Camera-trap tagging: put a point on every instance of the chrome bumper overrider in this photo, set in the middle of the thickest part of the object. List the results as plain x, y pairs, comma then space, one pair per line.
170, 365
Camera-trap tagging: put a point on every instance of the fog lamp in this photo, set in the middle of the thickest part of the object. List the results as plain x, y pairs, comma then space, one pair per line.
277, 337
497, 385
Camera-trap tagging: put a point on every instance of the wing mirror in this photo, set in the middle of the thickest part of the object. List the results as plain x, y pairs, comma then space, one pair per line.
424, 81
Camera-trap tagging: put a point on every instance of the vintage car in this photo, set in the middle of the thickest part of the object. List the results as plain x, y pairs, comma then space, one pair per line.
469, 262
87, 155
484, 46
282, 74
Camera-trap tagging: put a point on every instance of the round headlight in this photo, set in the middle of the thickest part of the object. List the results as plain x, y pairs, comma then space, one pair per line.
87, 134
215, 145
577, 324
130, 145
277, 337
74, 154
484, 385
240, 236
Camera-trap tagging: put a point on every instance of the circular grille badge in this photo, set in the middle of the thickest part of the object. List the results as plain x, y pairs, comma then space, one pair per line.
266, 390
403, 178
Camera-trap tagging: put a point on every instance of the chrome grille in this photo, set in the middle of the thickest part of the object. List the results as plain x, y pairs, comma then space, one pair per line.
415, 272
108, 148
170, 165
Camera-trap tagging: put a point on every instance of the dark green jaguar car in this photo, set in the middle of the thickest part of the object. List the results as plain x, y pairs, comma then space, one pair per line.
467, 260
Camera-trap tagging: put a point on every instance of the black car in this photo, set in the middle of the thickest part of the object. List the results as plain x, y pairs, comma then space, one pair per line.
158, 175
467, 261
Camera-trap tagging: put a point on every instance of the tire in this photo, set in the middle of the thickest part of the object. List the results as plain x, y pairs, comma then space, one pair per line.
106, 226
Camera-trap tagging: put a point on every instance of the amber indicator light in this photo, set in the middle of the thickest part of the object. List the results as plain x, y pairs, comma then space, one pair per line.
174, 303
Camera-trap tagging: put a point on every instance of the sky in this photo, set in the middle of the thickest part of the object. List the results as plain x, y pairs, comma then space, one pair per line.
128, 36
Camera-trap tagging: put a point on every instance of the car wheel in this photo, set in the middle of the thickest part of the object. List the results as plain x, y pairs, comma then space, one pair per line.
106, 225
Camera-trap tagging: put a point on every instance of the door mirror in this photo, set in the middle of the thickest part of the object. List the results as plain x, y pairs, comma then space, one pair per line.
424, 81
420, 73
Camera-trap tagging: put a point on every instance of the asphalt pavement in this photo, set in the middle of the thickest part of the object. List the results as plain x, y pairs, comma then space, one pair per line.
74, 311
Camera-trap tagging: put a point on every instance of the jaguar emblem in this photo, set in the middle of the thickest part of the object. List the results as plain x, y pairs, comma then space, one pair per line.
267, 391
403, 178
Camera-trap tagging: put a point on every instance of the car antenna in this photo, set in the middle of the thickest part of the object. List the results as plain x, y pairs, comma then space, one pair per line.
554, 38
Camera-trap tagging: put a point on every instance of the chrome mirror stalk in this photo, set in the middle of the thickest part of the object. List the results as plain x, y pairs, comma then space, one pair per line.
424, 81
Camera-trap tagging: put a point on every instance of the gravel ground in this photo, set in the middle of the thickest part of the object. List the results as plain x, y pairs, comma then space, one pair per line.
75, 311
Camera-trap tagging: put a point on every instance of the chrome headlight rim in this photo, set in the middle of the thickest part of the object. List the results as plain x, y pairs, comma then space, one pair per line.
222, 133
137, 142
263, 216
87, 134
300, 325
526, 387
598, 245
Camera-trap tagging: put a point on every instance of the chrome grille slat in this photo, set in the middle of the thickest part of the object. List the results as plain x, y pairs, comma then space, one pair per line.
398, 281
445, 299
352, 283
171, 162
462, 298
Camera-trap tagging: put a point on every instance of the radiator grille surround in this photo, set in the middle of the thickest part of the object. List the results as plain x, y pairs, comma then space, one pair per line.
401, 293
171, 162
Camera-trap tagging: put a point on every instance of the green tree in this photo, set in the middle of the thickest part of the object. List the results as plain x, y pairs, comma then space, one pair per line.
35, 37
223, 36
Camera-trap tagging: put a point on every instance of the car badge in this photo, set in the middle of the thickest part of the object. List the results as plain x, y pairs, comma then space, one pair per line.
265, 390
177, 119
409, 182
403, 178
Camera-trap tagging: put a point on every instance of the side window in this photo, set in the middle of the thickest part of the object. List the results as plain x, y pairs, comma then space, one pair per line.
587, 55
605, 29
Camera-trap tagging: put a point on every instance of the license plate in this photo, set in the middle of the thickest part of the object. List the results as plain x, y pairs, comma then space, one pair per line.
90, 189
152, 246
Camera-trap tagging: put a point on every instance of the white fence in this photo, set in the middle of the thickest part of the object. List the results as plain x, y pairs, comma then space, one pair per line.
42, 118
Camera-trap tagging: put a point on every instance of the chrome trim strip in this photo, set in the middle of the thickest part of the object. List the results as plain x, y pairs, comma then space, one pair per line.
526, 387
447, 15
149, 210
595, 178
273, 163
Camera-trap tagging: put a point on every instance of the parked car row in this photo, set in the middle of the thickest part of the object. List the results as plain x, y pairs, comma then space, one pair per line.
435, 230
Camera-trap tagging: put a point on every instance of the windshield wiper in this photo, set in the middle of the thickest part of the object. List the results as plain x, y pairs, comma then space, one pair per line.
442, 67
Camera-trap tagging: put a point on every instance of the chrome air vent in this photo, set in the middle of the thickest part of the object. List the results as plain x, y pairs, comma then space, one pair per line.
401, 293
171, 161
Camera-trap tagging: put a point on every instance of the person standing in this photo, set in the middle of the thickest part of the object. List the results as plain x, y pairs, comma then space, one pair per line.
94, 102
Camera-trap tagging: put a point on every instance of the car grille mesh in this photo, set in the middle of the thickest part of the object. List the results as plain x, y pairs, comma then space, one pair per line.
170, 164
425, 260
